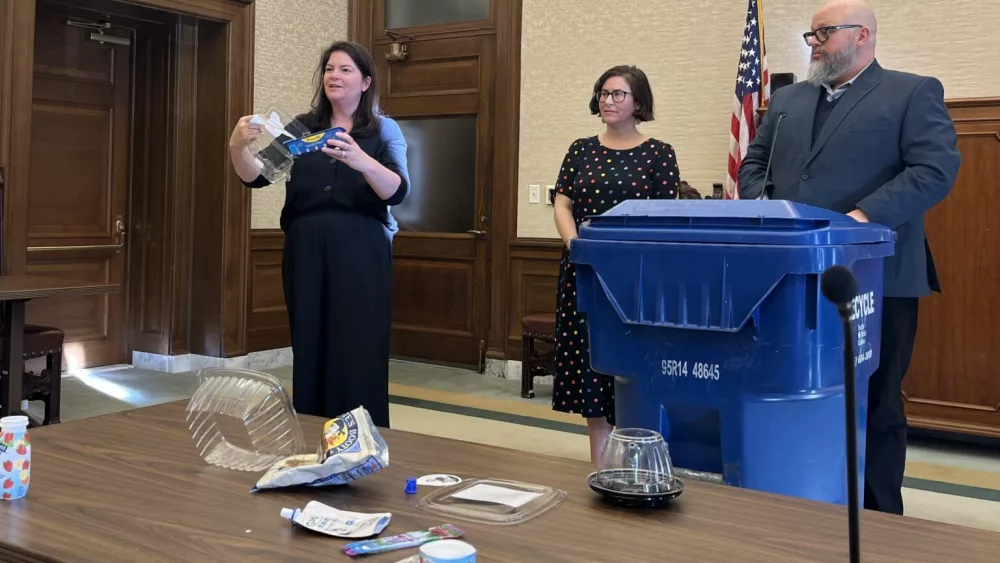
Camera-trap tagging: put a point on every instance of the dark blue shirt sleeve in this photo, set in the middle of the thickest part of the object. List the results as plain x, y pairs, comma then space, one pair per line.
259, 182
392, 154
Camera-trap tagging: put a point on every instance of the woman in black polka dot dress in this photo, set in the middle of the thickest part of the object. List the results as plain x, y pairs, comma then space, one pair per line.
597, 174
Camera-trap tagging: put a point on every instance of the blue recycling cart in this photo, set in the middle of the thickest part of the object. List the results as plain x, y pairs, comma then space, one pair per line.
709, 316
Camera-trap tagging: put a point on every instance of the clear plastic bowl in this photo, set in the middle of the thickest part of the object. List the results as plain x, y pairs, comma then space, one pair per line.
636, 461
243, 420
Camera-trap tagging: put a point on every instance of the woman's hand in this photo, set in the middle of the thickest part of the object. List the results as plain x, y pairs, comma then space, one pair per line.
247, 166
565, 223
244, 133
347, 151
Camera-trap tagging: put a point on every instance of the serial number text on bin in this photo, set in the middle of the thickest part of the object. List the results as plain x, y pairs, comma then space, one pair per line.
698, 370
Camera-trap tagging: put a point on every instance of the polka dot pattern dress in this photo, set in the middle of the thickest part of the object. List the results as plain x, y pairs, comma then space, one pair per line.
597, 178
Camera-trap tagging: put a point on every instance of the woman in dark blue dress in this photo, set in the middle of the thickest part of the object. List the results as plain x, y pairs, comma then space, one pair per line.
597, 174
337, 263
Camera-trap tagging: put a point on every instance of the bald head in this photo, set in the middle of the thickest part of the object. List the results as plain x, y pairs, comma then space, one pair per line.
841, 12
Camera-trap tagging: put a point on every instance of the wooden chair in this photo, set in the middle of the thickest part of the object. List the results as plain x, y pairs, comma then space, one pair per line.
46, 386
535, 328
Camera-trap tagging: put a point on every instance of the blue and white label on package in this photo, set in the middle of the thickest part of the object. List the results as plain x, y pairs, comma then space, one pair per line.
447, 551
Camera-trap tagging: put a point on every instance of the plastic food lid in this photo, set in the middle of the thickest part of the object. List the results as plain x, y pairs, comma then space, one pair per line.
448, 502
446, 550
14, 421
439, 480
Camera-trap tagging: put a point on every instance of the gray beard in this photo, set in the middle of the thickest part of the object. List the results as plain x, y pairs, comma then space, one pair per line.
831, 67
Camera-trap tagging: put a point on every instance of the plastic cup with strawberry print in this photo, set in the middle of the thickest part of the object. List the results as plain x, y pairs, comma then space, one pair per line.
15, 457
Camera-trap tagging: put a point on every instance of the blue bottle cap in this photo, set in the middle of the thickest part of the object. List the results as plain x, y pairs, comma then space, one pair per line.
411, 486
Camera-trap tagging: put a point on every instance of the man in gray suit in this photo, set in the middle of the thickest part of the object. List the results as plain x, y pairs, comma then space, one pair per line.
880, 146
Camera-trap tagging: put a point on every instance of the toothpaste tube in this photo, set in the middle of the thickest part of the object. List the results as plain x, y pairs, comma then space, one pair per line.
324, 519
403, 541
312, 143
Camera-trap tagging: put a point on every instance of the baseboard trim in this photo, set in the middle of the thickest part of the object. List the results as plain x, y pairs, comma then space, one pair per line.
264, 359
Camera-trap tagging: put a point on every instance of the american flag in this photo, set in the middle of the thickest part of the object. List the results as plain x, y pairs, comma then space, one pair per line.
753, 89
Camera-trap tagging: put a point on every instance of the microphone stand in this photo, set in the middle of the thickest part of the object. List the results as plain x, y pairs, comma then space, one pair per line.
768, 186
850, 418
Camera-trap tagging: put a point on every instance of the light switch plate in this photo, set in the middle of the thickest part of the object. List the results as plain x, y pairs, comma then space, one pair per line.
533, 194
549, 190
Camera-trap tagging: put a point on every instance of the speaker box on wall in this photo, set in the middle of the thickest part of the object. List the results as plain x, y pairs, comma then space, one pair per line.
782, 79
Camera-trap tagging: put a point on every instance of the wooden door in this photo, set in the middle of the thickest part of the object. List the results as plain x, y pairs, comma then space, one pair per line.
442, 96
78, 183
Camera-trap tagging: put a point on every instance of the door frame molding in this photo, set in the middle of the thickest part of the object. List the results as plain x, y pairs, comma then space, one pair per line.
215, 297
506, 124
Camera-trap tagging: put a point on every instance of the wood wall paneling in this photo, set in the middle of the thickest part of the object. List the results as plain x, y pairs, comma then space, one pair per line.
267, 318
534, 276
953, 382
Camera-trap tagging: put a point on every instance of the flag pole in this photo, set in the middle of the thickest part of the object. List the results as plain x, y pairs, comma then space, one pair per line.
763, 55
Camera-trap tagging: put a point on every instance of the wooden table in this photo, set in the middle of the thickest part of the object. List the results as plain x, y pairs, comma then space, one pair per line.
15, 291
129, 487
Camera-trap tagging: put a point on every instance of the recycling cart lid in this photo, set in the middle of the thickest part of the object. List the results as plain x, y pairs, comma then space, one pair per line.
757, 222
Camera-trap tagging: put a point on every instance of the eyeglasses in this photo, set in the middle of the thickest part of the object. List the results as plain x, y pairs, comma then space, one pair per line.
617, 95
823, 34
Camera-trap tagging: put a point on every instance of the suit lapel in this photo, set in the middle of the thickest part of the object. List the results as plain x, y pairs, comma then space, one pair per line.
808, 111
856, 92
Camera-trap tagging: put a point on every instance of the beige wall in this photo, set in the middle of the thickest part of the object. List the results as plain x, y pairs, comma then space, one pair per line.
689, 50
290, 35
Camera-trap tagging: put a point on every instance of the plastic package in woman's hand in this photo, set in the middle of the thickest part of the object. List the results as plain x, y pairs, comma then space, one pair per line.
268, 151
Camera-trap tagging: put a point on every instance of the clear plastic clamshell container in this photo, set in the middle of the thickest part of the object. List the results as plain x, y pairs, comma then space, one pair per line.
268, 151
243, 420
492, 501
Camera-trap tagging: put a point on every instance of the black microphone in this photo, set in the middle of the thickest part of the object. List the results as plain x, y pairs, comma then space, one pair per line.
768, 186
840, 287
